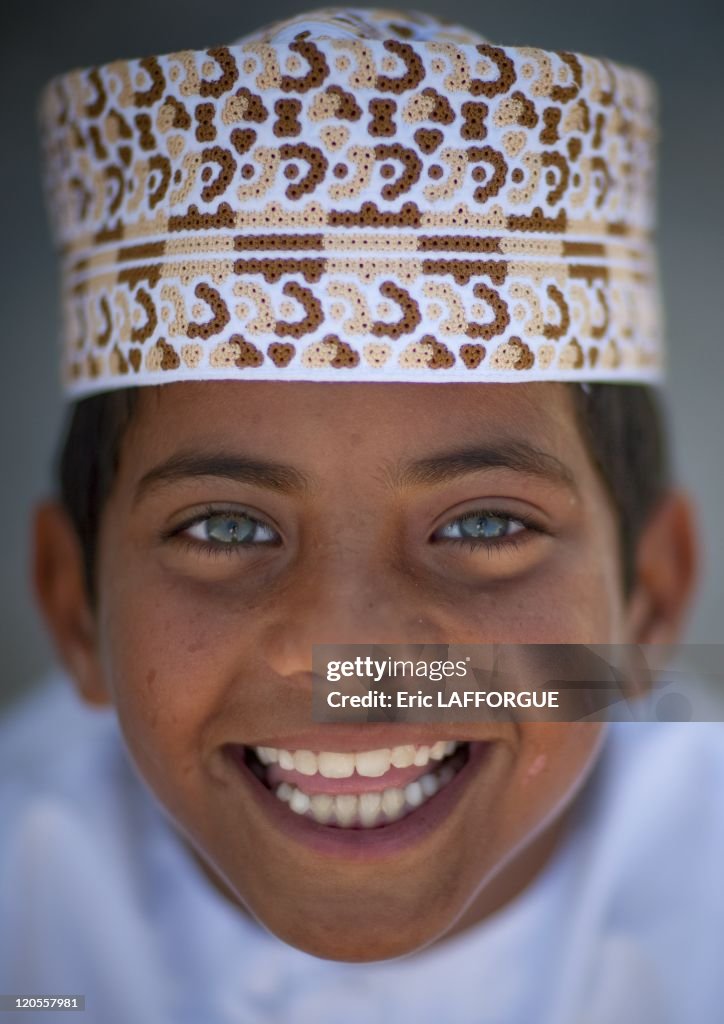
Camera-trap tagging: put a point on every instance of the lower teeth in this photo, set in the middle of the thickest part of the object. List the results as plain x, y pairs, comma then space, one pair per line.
367, 810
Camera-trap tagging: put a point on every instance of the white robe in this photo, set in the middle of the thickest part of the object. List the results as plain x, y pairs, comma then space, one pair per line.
98, 897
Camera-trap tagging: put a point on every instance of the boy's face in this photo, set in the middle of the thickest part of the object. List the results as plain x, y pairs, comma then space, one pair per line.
206, 621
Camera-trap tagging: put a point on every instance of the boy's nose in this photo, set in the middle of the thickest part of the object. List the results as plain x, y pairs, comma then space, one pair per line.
366, 607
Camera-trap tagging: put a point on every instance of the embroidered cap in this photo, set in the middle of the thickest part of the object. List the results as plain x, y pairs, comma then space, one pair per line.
354, 195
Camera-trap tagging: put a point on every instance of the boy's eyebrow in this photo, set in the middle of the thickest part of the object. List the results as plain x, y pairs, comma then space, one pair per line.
519, 456
432, 469
275, 476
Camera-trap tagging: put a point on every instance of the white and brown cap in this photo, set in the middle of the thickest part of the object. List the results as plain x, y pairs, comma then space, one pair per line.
359, 195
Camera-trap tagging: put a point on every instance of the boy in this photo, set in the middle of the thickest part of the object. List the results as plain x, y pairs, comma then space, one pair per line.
279, 240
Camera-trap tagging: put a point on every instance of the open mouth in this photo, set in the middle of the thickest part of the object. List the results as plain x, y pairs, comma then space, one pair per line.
366, 789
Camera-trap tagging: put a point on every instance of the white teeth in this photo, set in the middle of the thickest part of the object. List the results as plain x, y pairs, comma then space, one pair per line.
286, 761
428, 784
299, 802
322, 807
267, 755
335, 766
345, 808
366, 810
402, 757
305, 762
393, 800
369, 808
413, 794
372, 763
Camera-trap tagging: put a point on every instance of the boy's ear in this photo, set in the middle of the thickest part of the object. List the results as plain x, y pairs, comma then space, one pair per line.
666, 572
60, 589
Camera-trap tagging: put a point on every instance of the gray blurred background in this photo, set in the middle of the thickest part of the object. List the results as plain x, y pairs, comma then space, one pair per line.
678, 43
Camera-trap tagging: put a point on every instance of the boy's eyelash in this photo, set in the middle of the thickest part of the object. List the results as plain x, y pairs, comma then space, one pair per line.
209, 548
491, 545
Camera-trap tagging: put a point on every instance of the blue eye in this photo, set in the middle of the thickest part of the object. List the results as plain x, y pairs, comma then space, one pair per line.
482, 527
230, 529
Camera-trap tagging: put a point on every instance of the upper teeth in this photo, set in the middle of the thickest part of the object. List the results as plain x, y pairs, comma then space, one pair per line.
369, 763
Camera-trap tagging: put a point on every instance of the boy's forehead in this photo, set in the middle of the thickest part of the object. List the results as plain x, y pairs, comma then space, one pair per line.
304, 439
288, 403
324, 422
364, 196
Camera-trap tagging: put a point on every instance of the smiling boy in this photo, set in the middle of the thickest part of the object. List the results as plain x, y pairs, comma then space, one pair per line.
284, 478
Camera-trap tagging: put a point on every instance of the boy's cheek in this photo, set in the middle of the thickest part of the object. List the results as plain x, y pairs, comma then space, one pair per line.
555, 759
551, 763
165, 665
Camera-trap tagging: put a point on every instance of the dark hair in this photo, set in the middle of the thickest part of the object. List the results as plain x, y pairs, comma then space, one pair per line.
622, 425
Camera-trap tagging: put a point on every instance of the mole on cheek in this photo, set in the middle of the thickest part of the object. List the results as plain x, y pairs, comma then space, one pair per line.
537, 766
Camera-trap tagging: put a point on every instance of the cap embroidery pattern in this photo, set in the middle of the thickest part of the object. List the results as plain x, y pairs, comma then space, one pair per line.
406, 207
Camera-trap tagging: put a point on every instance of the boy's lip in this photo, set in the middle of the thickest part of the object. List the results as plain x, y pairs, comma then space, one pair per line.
354, 844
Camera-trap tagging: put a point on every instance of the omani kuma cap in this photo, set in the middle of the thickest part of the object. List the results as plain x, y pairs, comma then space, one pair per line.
354, 195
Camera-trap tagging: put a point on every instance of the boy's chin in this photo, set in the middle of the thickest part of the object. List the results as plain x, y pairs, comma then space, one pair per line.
362, 937
349, 925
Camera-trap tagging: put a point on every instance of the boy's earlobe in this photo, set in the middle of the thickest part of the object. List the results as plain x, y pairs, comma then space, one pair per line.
61, 593
666, 572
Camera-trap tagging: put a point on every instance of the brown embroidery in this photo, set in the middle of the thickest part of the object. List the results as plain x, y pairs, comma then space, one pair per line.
273, 270
96, 106
146, 138
382, 111
149, 96
280, 353
316, 161
226, 164
410, 318
558, 189
551, 120
346, 356
411, 163
220, 313
501, 317
496, 179
312, 308
193, 220
140, 334
318, 68
428, 139
230, 73
347, 107
205, 129
243, 139
287, 124
473, 126
564, 94
472, 355
414, 74
249, 355
506, 73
